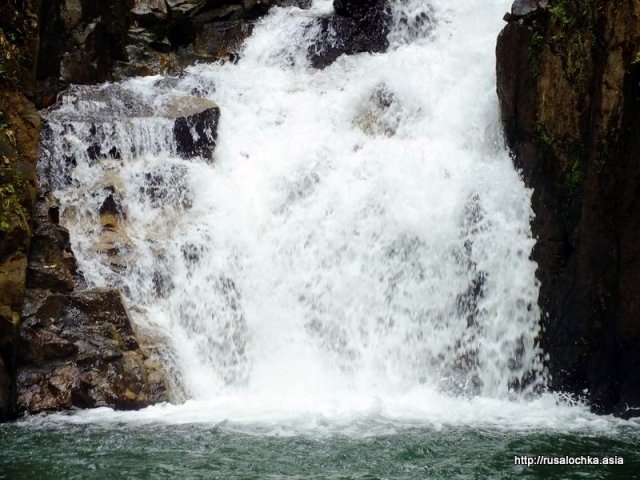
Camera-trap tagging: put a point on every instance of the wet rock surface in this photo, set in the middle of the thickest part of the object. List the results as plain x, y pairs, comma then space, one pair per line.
196, 134
19, 132
568, 83
51, 262
89, 42
356, 27
523, 8
80, 351
76, 348
112, 110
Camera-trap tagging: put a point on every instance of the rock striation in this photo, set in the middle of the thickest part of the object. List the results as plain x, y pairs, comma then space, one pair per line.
569, 87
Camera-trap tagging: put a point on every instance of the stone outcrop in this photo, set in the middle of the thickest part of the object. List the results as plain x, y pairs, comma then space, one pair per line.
36, 262
569, 88
91, 42
19, 132
79, 350
76, 348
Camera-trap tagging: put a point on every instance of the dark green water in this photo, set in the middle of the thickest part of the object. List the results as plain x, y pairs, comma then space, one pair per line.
147, 451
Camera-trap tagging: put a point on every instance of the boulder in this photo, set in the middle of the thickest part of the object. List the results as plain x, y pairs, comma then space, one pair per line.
79, 350
221, 40
111, 211
356, 27
76, 349
356, 8
196, 134
374, 117
525, 7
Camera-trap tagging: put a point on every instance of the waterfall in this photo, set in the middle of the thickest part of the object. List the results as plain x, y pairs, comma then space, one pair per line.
359, 233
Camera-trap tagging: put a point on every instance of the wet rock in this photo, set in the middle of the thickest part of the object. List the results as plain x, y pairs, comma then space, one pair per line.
111, 211
220, 40
5, 391
168, 187
51, 265
569, 96
523, 8
19, 131
95, 152
181, 8
148, 12
71, 13
196, 134
356, 28
79, 350
380, 115
356, 8
301, 4
83, 41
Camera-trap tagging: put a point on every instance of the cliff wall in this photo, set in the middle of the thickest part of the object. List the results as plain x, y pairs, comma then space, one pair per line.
569, 87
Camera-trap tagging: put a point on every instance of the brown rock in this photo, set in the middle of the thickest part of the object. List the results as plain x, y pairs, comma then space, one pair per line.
150, 12
52, 265
79, 350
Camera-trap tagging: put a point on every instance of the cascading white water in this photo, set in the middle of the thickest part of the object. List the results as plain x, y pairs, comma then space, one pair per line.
360, 234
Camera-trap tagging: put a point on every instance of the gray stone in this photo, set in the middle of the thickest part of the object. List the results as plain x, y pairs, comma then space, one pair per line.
196, 134
185, 7
71, 14
150, 11
521, 8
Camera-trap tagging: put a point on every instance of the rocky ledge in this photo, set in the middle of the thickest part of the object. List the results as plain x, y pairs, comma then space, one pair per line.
76, 348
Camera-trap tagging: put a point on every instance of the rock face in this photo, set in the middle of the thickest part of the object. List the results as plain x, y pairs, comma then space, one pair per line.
150, 11
81, 39
569, 89
79, 350
92, 42
19, 132
76, 348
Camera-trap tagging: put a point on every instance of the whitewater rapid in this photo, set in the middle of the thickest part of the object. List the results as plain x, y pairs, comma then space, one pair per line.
359, 247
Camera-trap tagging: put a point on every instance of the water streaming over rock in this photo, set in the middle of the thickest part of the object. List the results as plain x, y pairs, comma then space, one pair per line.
360, 231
